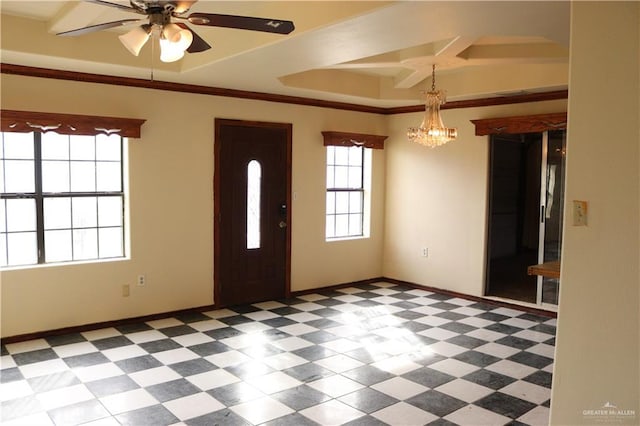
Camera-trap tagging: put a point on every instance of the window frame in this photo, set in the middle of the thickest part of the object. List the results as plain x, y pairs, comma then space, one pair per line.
364, 141
15, 121
349, 190
39, 196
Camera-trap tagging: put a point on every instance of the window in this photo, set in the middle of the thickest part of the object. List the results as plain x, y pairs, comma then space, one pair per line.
61, 198
254, 180
346, 167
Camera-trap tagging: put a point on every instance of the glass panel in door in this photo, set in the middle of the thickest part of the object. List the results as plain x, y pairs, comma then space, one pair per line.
554, 203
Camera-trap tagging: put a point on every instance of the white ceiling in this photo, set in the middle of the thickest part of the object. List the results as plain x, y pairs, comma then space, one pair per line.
376, 53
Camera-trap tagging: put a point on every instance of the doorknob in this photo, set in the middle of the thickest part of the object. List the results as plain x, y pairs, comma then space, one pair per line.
282, 224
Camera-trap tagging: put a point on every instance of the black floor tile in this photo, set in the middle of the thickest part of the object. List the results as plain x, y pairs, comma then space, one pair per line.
149, 416
172, 390
489, 379
131, 365
111, 386
65, 339
368, 400
436, 402
506, 405
428, 377
224, 417
300, 397
111, 342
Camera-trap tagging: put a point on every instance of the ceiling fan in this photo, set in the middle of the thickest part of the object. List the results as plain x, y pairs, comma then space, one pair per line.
176, 37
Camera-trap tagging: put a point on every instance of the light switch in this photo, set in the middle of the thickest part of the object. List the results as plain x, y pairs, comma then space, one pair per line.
579, 213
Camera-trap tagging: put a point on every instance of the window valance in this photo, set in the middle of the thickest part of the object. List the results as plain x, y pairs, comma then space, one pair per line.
353, 139
522, 124
68, 124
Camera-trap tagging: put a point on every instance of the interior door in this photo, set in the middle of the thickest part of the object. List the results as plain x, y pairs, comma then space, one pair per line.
252, 224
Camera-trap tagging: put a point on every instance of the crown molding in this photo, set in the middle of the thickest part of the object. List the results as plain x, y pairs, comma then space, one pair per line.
27, 71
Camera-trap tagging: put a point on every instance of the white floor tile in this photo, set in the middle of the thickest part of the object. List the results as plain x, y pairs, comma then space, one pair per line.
335, 386
227, 359
437, 333
165, 323
243, 340
298, 329
398, 365
465, 310
13, 390
519, 322
479, 415
532, 335
342, 345
511, 369
427, 310
339, 363
128, 401
527, 391
174, 356
64, 396
303, 317
269, 305
192, 339
447, 349
213, 379
496, 349
260, 315
208, 325
124, 352
404, 414
399, 388
220, 313
28, 346
192, 406
284, 360
274, 382
40, 419
153, 376
464, 390
146, 336
261, 410
454, 367
538, 416
291, 343
252, 327
73, 349
543, 350
97, 372
308, 306
313, 297
507, 312
432, 320
102, 333
482, 334
43, 368
332, 413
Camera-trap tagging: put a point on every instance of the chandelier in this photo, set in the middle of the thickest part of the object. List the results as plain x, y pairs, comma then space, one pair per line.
432, 132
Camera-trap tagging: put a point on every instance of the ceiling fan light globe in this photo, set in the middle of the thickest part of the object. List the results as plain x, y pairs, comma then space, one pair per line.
135, 39
170, 52
178, 36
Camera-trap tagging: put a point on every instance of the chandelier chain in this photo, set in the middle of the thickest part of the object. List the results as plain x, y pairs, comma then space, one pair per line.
433, 77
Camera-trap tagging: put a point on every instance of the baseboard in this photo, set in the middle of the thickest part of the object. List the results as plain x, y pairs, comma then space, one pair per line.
162, 315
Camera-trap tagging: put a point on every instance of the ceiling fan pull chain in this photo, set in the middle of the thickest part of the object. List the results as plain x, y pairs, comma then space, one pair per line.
153, 54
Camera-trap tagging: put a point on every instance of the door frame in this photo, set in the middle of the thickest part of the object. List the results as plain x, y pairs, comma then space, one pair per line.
218, 123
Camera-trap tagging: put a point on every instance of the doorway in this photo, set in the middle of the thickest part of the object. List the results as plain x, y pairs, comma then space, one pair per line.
252, 195
526, 196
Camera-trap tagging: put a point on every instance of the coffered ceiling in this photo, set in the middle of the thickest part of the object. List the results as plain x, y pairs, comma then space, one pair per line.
376, 53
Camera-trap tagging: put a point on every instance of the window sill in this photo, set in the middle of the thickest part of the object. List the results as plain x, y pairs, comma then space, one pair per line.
359, 237
62, 264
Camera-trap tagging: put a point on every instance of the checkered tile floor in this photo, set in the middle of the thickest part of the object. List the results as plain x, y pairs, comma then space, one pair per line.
368, 355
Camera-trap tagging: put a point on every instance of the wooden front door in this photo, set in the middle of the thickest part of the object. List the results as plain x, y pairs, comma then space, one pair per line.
252, 216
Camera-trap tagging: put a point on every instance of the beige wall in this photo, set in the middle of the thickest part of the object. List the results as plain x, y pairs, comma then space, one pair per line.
437, 198
598, 326
171, 206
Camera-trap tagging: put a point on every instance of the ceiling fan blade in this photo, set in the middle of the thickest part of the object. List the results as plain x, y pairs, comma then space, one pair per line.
116, 5
98, 27
242, 22
198, 44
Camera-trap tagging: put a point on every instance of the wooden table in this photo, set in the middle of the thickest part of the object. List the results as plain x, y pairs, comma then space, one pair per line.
546, 269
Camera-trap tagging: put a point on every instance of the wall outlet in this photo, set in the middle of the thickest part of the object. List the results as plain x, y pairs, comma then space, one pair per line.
424, 252
142, 281
580, 213
125, 290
